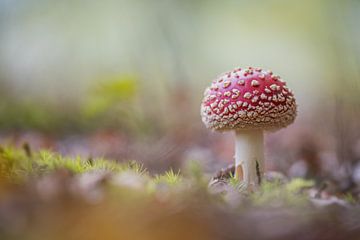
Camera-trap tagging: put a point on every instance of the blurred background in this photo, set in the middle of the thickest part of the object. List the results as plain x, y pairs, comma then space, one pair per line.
124, 79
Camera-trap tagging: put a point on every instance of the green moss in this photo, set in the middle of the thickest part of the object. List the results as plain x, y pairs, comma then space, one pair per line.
298, 184
277, 193
169, 177
349, 197
17, 164
236, 183
48, 161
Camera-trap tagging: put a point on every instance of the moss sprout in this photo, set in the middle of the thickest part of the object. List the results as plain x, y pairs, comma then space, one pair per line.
169, 177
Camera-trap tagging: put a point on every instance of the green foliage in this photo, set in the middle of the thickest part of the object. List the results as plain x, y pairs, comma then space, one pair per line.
169, 177
276, 193
136, 167
48, 161
111, 102
298, 184
236, 183
121, 87
27, 115
193, 172
16, 164
349, 197
109, 94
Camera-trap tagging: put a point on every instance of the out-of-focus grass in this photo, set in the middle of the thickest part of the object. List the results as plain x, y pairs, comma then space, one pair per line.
110, 104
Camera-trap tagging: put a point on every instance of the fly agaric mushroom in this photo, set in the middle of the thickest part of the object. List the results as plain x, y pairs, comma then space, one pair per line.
248, 101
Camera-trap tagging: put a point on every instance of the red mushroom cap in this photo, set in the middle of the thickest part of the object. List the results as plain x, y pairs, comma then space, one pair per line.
247, 99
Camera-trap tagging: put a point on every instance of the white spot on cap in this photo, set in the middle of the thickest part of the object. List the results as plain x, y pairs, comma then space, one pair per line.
227, 93
275, 77
226, 84
273, 87
214, 87
241, 82
274, 98
207, 92
255, 83
247, 95
236, 91
213, 105
231, 108
221, 105
242, 113
281, 98
212, 97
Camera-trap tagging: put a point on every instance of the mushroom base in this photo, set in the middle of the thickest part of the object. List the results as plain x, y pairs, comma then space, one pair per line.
249, 157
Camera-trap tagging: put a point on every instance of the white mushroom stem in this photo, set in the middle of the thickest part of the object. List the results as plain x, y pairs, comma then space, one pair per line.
249, 157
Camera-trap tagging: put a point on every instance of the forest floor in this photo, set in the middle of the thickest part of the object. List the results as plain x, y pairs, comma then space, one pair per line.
44, 195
